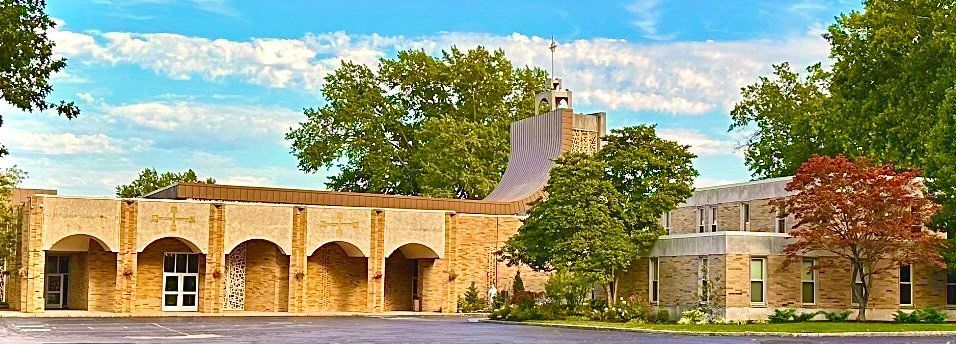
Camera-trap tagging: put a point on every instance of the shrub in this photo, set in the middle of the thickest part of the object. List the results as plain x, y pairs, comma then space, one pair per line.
472, 301
693, 316
568, 288
500, 300
662, 317
837, 316
928, 315
790, 315
804, 317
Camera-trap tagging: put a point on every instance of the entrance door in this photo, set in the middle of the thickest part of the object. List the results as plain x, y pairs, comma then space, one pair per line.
180, 281
57, 281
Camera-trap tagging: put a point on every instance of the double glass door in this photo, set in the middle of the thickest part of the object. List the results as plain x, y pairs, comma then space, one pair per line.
180, 281
57, 281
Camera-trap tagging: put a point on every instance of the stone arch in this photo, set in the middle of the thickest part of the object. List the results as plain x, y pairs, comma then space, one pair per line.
351, 249
88, 271
412, 250
150, 266
403, 276
231, 247
258, 280
336, 280
193, 248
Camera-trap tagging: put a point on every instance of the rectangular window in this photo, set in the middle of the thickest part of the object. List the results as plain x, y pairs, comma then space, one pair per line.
667, 222
713, 218
906, 285
745, 216
781, 220
950, 289
703, 286
809, 282
653, 276
758, 276
701, 220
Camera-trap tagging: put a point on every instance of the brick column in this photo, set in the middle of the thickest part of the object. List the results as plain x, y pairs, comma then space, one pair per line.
376, 264
450, 294
298, 271
214, 276
33, 260
125, 291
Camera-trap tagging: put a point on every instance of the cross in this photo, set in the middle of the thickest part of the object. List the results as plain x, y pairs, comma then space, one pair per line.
172, 218
340, 221
554, 45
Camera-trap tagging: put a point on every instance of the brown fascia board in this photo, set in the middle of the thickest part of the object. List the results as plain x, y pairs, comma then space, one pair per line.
236, 193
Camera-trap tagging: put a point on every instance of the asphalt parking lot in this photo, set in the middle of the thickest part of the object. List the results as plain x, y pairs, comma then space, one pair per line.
346, 330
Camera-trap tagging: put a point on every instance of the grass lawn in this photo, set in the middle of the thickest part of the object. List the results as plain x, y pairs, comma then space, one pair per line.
807, 327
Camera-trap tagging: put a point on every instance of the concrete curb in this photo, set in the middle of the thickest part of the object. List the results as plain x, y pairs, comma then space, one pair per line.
84, 314
730, 334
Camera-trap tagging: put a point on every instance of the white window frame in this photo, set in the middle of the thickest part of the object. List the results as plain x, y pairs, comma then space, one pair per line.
745, 216
703, 279
804, 280
653, 280
950, 284
667, 222
713, 218
763, 281
910, 284
701, 220
780, 222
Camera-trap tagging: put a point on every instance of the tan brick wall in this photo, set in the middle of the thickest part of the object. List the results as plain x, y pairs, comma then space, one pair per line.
728, 217
929, 286
336, 282
737, 286
784, 282
678, 280
149, 273
399, 272
633, 284
684, 220
533, 280
78, 289
762, 216
267, 277
101, 267
433, 280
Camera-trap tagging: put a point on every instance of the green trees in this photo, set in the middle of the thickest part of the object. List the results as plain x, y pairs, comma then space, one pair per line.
419, 125
9, 212
26, 59
149, 180
888, 96
602, 211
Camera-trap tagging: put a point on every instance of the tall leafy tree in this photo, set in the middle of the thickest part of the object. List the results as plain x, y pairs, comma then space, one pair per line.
149, 180
885, 97
26, 59
602, 212
10, 218
869, 216
419, 124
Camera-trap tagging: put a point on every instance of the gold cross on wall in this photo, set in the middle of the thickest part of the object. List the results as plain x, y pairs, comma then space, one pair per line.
172, 218
340, 222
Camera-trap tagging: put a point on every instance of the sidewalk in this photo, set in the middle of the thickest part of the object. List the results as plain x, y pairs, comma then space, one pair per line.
92, 314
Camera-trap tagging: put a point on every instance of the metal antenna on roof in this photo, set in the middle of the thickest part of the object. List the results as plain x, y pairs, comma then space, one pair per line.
554, 45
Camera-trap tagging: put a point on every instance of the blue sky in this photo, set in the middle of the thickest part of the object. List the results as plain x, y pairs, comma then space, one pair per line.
213, 85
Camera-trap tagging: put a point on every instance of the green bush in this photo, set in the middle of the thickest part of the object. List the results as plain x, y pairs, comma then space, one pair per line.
472, 302
837, 316
568, 288
663, 316
928, 315
500, 300
790, 315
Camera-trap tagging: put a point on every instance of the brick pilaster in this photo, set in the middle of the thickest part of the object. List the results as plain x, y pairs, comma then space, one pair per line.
126, 260
450, 295
33, 260
214, 275
376, 264
298, 271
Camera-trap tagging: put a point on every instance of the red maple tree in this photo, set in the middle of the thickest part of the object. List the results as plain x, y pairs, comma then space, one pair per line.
870, 215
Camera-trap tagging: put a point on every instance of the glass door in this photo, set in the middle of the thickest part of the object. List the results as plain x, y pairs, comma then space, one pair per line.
180, 282
57, 281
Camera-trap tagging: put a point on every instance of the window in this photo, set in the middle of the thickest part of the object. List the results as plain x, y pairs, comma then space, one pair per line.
653, 268
950, 289
700, 220
857, 288
906, 285
745, 216
758, 276
713, 218
703, 287
809, 282
781, 220
667, 222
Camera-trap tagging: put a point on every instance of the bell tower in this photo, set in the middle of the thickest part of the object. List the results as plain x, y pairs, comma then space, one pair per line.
556, 97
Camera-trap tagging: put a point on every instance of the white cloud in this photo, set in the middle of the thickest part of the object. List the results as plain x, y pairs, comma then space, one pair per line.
203, 120
647, 17
86, 97
702, 182
246, 180
675, 77
699, 143
63, 143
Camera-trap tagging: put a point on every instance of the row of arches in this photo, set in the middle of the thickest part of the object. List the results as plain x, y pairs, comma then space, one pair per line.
171, 272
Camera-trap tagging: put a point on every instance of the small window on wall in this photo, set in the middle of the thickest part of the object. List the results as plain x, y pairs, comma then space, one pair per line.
906, 285
745, 216
713, 218
667, 222
701, 220
653, 277
950, 289
809, 282
758, 277
703, 280
781, 220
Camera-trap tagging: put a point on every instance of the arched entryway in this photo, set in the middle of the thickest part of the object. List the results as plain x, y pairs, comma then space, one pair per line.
169, 275
257, 277
403, 282
79, 273
337, 278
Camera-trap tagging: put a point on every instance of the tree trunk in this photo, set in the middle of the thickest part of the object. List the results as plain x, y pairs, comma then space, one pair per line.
607, 293
862, 295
